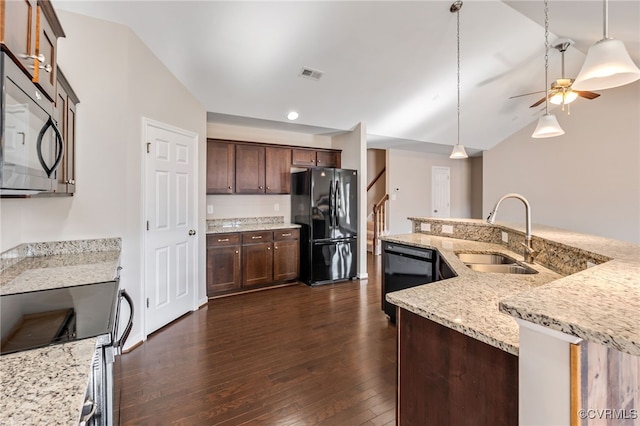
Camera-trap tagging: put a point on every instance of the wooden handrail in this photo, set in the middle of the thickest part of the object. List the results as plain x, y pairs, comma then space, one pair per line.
379, 220
375, 179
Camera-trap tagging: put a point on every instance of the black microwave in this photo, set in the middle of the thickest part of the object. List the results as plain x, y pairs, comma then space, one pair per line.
31, 146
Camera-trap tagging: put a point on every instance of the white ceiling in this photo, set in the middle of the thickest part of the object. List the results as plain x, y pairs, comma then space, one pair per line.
389, 64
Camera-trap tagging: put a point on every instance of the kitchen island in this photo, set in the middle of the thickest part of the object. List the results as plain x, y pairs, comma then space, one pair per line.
48, 385
587, 287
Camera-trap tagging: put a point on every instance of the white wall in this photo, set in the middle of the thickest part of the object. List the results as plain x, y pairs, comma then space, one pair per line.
118, 81
229, 206
354, 156
409, 182
587, 180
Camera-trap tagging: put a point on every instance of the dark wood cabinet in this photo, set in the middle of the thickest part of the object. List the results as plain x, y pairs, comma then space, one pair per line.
277, 170
250, 169
445, 377
221, 172
308, 157
257, 258
18, 31
45, 70
286, 254
245, 261
65, 115
223, 263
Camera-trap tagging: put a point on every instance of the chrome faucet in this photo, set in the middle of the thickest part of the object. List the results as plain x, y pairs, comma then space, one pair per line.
529, 252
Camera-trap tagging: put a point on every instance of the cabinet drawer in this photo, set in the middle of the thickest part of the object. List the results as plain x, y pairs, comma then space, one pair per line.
214, 240
257, 237
286, 234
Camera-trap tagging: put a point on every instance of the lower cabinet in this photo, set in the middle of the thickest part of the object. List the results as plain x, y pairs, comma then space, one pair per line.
239, 262
223, 263
448, 378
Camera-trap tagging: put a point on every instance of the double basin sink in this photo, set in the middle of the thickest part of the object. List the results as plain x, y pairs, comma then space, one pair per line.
494, 262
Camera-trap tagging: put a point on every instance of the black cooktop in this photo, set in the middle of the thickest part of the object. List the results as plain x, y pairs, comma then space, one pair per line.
47, 317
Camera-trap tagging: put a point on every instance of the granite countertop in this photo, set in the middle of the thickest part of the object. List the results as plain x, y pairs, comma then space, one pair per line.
469, 302
47, 385
245, 224
597, 299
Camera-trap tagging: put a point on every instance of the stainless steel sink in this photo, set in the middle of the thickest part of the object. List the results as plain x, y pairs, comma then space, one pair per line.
494, 262
485, 258
501, 268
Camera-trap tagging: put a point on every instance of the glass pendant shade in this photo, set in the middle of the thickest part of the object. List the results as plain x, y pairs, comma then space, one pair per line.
547, 127
458, 152
569, 97
607, 65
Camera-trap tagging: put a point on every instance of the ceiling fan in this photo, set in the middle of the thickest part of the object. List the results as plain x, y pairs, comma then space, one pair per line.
561, 92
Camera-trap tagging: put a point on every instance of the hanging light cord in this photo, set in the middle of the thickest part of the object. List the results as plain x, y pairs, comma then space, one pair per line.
458, 47
546, 56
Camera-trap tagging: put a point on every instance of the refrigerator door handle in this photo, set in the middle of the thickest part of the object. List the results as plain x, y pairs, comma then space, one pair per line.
337, 203
331, 204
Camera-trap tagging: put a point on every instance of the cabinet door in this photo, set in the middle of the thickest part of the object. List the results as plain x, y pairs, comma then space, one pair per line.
278, 170
223, 269
69, 162
257, 264
45, 71
286, 263
221, 160
328, 159
60, 115
250, 169
304, 157
18, 31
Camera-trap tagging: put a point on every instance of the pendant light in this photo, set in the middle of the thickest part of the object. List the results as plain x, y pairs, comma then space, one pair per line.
548, 126
458, 150
608, 63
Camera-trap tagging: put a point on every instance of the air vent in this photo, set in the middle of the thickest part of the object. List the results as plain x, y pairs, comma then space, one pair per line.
310, 73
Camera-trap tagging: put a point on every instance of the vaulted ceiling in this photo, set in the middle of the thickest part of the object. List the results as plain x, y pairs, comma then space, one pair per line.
389, 64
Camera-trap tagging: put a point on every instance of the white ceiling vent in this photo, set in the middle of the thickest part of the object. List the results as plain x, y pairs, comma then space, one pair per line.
310, 73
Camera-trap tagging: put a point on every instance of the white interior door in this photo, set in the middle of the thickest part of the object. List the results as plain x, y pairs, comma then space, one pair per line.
440, 192
170, 208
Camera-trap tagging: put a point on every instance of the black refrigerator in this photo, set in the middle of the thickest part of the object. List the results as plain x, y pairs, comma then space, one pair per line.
324, 201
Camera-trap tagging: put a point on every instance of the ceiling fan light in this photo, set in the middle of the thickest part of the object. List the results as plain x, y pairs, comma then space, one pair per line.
458, 152
607, 65
568, 96
547, 127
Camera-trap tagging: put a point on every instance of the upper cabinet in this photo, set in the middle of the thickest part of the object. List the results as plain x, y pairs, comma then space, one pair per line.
65, 115
29, 32
315, 158
221, 167
258, 168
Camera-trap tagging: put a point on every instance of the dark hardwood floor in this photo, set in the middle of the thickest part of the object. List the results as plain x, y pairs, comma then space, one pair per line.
288, 356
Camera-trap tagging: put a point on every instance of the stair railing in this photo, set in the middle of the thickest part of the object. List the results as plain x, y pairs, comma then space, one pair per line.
379, 222
375, 179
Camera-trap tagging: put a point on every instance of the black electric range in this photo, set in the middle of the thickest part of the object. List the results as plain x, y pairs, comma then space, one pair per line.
41, 318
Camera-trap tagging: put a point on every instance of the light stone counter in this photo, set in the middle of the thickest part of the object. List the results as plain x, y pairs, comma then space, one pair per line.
469, 302
47, 385
247, 224
596, 299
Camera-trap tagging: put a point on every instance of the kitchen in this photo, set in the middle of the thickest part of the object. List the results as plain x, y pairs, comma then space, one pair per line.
110, 205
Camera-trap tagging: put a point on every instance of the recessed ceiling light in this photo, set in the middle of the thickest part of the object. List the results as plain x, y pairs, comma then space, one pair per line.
292, 115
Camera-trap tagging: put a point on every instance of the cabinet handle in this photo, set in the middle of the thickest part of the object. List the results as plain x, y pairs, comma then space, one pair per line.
39, 57
47, 68
223, 240
275, 247
237, 252
229, 188
288, 234
268, 187
259, 237
260, 187
268, 248
70, 182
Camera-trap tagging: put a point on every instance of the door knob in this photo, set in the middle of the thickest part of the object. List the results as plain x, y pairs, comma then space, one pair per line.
192, 232
435, 211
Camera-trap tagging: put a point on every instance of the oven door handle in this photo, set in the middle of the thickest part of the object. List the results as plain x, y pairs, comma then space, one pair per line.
118, 344
59, 148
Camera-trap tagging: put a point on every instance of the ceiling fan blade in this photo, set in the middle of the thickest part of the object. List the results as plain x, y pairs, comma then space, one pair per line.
587, 95
527, 94
537, 103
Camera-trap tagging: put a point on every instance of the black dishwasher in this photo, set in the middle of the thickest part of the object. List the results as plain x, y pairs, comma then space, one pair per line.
405, 267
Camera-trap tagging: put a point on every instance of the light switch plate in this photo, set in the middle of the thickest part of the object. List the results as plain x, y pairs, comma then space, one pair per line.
505, 237
276, 207
393, 197
447, 229
425, 227
210, 209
